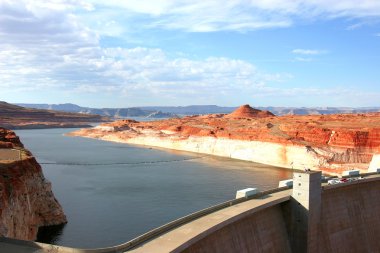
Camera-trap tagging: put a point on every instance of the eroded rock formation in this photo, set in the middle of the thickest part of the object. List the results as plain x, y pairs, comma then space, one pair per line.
26, 199
329, 142
246, 111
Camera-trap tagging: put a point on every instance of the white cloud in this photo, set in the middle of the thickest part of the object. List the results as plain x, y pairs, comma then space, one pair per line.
44, 47
113, 17
308, 51
305, 55
306, 92
236, 15
134, 71
56, 44
303, 59
316, 96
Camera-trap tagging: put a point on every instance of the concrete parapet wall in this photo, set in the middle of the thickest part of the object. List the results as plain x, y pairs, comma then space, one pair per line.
350, 217
262, 231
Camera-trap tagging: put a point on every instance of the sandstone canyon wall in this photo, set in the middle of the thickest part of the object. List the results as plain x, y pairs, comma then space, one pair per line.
331, 143
26, 199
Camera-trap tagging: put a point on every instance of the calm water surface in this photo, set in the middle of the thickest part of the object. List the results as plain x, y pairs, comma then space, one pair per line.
108, 203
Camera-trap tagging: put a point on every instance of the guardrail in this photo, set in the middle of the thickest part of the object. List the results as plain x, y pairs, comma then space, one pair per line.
362, 178
362, 175
365, 174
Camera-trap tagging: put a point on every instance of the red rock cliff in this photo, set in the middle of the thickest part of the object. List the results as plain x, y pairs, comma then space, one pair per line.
328, 142
26, 199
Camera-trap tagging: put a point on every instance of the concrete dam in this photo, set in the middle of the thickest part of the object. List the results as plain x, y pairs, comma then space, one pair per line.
311, 217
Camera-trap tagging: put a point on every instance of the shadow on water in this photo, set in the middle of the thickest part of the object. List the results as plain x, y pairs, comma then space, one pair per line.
50, 234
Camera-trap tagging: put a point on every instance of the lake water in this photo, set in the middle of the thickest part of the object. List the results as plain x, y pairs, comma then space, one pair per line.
114, 192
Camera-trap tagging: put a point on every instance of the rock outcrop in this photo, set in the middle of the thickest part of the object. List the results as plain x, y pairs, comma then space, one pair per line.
331, 143
26, 199
246, 111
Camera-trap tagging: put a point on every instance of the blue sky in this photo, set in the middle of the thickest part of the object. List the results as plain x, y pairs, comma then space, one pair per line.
165, 52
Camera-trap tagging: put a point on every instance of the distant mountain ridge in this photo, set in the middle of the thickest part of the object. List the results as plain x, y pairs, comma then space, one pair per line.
56, 107
172, 111
318, 110
109, 112
18, 117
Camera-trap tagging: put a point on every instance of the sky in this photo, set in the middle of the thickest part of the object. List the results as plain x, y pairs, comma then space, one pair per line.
128, 53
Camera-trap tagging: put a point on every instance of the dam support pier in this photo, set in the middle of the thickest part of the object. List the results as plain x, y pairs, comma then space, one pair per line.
305, 210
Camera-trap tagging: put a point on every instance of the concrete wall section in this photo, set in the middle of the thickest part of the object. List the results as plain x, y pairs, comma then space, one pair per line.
350, 218
263, 231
